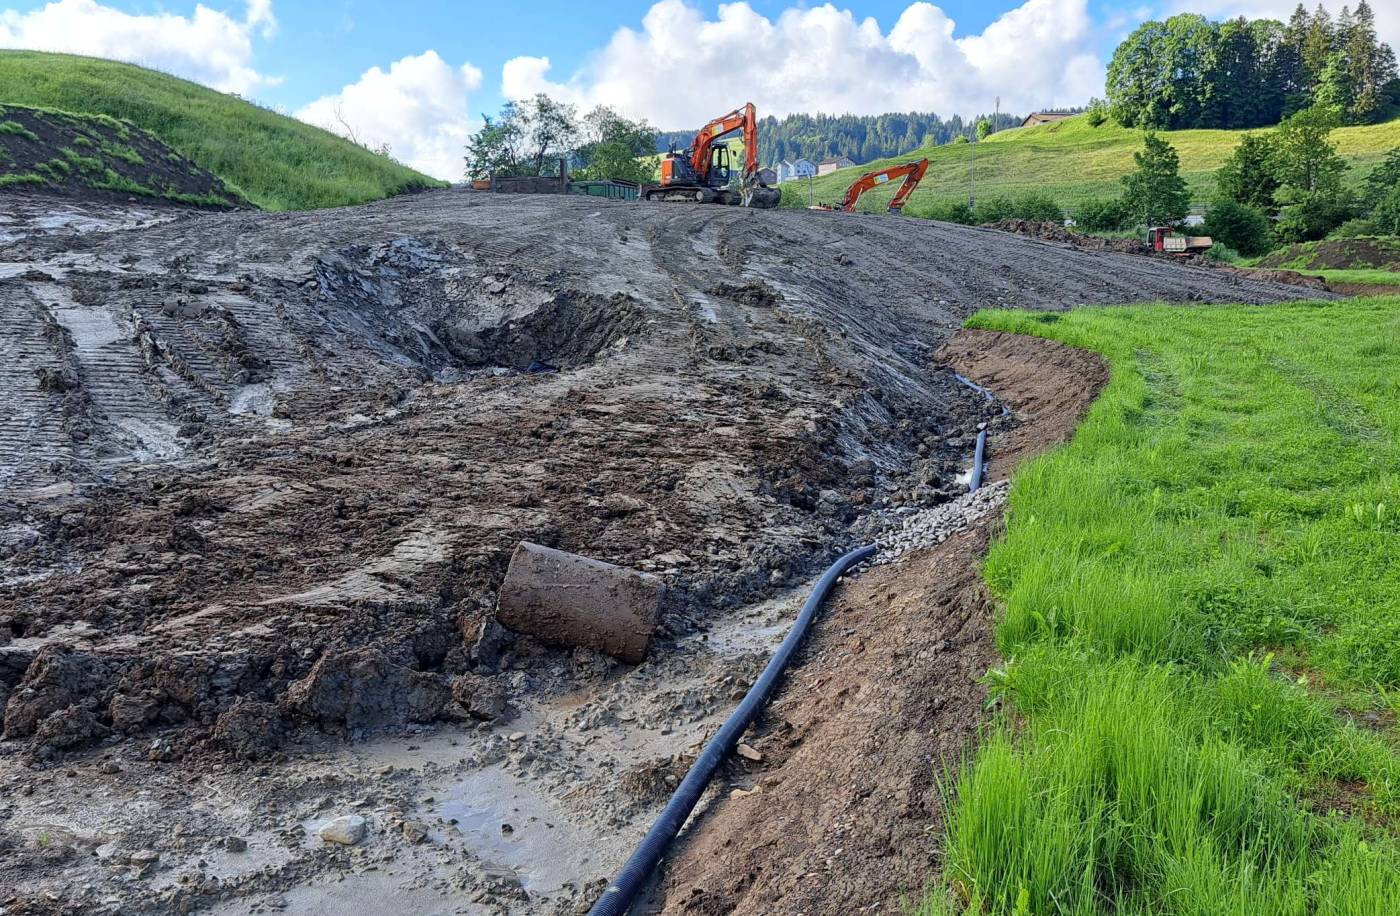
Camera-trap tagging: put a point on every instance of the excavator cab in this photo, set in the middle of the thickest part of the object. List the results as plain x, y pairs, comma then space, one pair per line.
720, 171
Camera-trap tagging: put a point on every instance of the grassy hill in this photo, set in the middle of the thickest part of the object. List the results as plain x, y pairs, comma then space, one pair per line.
1071, 161
274, 161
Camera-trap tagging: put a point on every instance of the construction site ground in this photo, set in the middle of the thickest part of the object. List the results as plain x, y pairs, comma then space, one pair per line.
260, 476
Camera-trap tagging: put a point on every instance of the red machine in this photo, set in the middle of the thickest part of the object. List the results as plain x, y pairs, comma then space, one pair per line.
911, 172
1161, 238
702, 172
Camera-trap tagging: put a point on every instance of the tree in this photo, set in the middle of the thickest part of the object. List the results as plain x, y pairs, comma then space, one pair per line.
1304, 159
549, 130
1156, 192
526, 138
614, 147
1247, 177
1383, 179
1386, 214
1369, 65
1138, 78
984, 129
494, 150
1237, 226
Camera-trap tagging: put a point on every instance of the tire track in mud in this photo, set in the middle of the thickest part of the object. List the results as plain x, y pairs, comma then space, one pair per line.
32, 431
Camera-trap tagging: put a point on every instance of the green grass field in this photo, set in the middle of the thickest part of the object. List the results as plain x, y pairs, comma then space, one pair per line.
1359, 276
1070, 161
1201, 621
275, 161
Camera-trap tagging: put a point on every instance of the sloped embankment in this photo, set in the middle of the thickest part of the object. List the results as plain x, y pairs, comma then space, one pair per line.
86, 155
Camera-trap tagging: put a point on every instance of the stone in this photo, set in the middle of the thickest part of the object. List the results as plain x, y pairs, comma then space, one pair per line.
346, 830
748, 752
414, 832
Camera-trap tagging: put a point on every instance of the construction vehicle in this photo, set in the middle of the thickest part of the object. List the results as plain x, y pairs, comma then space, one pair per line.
911, 172
1161, 238
702, 173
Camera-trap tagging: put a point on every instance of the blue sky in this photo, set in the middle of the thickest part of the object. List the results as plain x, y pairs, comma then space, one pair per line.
418, 76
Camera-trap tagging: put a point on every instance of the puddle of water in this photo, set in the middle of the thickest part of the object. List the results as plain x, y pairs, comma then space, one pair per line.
542, 848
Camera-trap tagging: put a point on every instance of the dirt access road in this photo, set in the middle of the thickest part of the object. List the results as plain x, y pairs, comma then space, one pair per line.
260, 475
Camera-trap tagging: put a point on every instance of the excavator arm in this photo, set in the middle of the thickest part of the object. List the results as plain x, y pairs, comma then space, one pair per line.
911, 172
704, 141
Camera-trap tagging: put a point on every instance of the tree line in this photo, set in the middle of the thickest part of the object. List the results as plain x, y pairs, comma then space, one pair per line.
530, 137
1190, 72
862, 138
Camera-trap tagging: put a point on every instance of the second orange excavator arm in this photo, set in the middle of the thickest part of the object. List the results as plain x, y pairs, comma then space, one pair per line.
911, 172
738, 118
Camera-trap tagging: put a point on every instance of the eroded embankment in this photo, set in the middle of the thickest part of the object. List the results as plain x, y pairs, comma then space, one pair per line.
843, 813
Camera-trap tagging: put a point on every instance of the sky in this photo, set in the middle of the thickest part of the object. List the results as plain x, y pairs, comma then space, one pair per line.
419, 76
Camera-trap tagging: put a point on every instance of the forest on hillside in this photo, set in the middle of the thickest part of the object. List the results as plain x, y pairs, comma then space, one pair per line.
860, 137
1190, 72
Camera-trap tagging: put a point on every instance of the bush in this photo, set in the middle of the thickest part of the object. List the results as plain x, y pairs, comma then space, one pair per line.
1030, 206
1098, 112
1386, 215
947, 212
1224, 253
1312, 216
1355, 229
1237, 226
1107, 215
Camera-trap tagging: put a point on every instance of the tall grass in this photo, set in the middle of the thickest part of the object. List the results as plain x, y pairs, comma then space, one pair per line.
1200, 594
275, 161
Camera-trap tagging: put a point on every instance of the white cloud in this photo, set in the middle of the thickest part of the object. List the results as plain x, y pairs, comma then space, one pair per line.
1387, 12
418, 107
209, 47
681, 69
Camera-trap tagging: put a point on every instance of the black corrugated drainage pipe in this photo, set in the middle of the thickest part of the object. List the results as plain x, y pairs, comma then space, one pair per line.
979, 459
617, 899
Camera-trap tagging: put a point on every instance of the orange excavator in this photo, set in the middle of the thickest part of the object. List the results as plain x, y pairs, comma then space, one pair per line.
911, 172
702, 173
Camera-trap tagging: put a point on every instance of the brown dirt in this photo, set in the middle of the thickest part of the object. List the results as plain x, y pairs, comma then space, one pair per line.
92, 157
848, 815
1339, 254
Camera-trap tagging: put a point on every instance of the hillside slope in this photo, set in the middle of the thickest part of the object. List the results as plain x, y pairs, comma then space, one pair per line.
1071, 161
82, 154
274, 161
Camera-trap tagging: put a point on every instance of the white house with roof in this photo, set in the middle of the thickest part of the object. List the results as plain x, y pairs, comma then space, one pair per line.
827, 166
793, 169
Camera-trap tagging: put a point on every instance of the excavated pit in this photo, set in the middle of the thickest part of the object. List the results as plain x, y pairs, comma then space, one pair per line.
262, 475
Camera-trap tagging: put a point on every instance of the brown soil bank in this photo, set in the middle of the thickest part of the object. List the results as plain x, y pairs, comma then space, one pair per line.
93, 156
264, 471
847, 816
1338, 254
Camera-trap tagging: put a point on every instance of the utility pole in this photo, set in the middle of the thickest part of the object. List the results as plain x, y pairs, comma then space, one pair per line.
972, 171
996, 119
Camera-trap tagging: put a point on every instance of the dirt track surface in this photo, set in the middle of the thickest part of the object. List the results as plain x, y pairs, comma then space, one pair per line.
847, 816
260, 475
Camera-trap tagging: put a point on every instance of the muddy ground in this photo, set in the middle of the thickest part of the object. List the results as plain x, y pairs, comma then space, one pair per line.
260, 475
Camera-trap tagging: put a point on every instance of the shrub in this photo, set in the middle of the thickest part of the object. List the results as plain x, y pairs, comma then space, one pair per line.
1032, 205
947, 212
1355, 229
1106, 215
1312, 216
1098, 112
1224, 253
1237, 226
1386, 215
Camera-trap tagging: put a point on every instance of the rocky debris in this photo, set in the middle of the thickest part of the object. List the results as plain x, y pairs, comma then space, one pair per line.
356, 689
58, 680
931, 527
250, 729
346, 830
481, 697
753, 293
